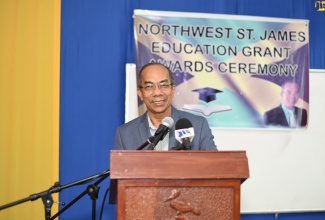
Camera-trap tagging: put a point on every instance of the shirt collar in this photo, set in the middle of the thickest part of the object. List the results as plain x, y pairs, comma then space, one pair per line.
285, 109
151, 126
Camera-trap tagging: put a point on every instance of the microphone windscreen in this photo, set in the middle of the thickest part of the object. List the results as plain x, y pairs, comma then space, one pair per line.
168, 122
183, 123
165, 125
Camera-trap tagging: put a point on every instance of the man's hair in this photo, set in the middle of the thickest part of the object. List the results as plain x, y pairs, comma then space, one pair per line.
290, 81
139, 78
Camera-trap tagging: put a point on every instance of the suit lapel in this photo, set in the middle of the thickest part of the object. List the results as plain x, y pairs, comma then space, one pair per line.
144, 128
298, 113
282, 120
176, 116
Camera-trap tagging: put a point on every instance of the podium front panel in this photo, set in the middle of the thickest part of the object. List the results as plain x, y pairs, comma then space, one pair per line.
178, 199
177, 184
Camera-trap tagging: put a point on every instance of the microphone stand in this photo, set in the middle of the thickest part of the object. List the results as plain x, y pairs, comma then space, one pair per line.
158, 138
57, 187
92, 190
46, 198
149, 141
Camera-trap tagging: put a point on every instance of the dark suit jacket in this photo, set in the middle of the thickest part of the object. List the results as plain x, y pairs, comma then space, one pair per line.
133, 134
276, 117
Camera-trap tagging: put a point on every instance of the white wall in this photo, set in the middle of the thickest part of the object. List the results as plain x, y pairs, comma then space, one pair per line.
287, 168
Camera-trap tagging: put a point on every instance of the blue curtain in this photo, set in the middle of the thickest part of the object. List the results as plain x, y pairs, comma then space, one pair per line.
96, 43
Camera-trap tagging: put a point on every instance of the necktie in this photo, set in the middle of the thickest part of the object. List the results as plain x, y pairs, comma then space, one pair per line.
292, 120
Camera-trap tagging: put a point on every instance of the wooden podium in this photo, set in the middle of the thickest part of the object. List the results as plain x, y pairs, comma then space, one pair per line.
177, 184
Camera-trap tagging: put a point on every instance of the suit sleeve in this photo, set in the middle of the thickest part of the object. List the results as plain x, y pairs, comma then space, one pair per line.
118, 140
207, 139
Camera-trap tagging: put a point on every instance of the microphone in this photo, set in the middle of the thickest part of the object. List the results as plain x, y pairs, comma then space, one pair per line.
184, 133
161, 132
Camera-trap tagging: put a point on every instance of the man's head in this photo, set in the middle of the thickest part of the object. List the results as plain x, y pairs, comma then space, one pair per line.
156, 88
290, 94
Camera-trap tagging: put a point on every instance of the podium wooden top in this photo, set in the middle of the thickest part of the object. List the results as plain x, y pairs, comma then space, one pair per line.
131, 164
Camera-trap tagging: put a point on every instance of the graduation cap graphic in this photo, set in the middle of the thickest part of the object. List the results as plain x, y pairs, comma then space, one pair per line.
207, 94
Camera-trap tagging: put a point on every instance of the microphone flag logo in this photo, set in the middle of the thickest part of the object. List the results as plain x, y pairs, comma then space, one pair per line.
184, 133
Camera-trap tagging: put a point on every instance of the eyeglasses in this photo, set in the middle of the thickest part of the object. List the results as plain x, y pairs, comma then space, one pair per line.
152, 87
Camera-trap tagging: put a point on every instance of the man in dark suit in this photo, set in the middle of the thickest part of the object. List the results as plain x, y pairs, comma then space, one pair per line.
287, 114
156, 89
